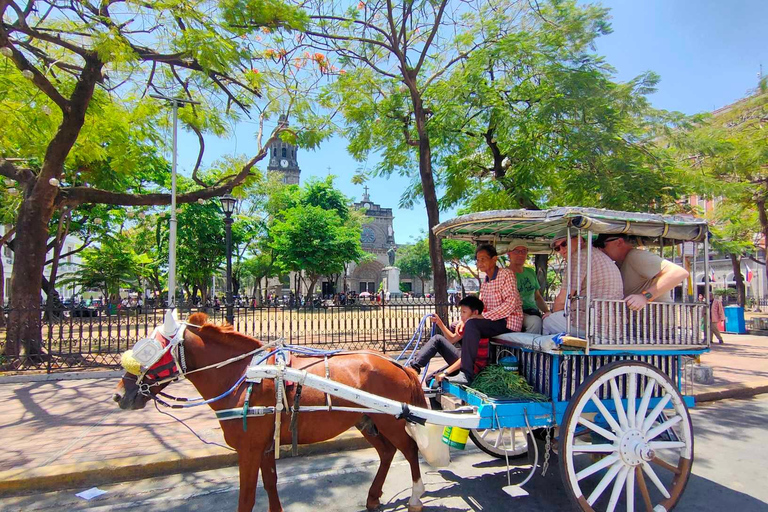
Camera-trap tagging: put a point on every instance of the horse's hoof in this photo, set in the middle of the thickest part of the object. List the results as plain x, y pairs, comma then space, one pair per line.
415, 508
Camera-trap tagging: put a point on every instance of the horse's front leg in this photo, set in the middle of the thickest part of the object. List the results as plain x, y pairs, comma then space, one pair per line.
269, 478
250, 462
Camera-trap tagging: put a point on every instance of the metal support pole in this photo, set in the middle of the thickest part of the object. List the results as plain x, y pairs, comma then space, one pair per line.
230, 307
172, 231
707, 292
175, 103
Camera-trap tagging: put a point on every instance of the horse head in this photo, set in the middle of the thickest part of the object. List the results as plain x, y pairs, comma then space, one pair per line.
152, 364
160, 359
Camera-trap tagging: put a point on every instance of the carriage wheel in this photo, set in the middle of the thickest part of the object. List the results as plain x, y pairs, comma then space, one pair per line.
501, 443
626, 454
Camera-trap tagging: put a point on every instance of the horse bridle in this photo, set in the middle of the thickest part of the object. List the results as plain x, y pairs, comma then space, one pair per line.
176, 368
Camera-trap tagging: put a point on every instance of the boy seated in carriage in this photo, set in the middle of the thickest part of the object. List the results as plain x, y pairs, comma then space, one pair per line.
447, 344
502, 312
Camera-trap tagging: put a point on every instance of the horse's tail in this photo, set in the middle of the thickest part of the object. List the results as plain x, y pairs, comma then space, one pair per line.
417, 392
428, 437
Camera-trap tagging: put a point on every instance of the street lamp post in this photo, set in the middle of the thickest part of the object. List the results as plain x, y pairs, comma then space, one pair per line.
228, 206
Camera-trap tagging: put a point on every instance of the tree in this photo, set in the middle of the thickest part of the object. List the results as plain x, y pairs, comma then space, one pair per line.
201, 248
726, 154
108, 268
536, 120
392, 55
734, 227
81, 72
460, 255
315, 241
415, 260
317, 232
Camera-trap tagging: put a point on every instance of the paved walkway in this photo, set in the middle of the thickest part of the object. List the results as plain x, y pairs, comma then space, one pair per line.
68, 433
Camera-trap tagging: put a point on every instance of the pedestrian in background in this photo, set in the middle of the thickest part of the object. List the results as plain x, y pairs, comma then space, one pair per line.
716, 315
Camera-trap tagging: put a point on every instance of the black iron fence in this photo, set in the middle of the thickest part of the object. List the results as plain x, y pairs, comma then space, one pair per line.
80, 338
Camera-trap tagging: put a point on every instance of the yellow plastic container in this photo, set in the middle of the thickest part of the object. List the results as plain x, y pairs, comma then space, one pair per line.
455, 437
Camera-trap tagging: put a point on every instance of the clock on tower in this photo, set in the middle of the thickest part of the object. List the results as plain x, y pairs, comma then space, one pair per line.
282, 159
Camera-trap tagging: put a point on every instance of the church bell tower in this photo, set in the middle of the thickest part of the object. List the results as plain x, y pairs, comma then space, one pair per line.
282, 159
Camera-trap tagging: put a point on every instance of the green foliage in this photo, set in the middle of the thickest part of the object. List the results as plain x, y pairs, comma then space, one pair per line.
113, 265
316, 231
315, 240
536, 120
414, 260
201, 248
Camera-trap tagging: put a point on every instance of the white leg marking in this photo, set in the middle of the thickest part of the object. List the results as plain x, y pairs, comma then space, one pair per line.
418, 490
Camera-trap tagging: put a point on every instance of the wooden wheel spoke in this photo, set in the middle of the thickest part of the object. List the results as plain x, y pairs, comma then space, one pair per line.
655, 479
616, 395
597, 429
666, 465
597, 466
606, 414
618, 486
594, 448
666, 445
605, 482
485, 433
630, 485
656, 431
655, 412
499, 435
644, 402
631, 397
643, 489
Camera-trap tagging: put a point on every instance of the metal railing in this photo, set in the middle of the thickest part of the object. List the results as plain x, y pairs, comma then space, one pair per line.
659, 323
80, 338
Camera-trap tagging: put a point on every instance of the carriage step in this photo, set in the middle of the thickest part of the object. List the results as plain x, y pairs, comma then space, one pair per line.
450, 402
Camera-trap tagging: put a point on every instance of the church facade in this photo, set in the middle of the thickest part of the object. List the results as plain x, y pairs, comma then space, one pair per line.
377, 238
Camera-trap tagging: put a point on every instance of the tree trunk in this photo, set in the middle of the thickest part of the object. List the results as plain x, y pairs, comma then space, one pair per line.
741, 292
458, 275
763, 216
35, 213
24, 329
541, 261
311, 289
440, 278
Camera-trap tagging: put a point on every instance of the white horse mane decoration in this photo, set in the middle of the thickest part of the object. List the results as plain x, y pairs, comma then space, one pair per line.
170, 324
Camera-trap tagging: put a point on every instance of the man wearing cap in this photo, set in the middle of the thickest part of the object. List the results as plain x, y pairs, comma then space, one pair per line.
606, 284
528, 286
646, 275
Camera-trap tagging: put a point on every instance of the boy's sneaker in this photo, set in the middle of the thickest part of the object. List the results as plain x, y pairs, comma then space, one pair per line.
459, 378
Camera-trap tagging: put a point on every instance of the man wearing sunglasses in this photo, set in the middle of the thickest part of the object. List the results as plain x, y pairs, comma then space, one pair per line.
646, 275
606, 284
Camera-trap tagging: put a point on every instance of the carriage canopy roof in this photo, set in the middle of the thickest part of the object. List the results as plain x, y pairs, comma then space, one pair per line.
538, 228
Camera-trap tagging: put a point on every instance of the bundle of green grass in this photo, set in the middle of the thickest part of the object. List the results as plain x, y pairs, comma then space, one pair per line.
497, 382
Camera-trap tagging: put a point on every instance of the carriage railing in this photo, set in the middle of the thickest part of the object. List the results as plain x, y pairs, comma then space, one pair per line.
611, 322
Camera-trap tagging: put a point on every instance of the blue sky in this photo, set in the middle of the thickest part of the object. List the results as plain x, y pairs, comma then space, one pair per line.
707, 52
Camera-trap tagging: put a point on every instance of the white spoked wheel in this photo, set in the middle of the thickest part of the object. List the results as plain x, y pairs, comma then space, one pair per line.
626, 454
501, 443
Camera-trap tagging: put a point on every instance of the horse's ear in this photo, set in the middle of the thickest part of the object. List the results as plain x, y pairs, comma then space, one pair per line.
198, 318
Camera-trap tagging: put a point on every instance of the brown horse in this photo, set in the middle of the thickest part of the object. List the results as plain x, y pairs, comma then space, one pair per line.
210, 344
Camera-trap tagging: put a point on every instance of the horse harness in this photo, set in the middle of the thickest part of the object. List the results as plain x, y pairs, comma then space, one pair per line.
163, 361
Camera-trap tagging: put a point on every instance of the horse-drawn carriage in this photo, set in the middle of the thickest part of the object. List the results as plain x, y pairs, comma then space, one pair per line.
615, 411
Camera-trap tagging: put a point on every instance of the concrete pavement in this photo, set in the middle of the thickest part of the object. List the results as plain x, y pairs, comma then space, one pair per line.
68, 433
